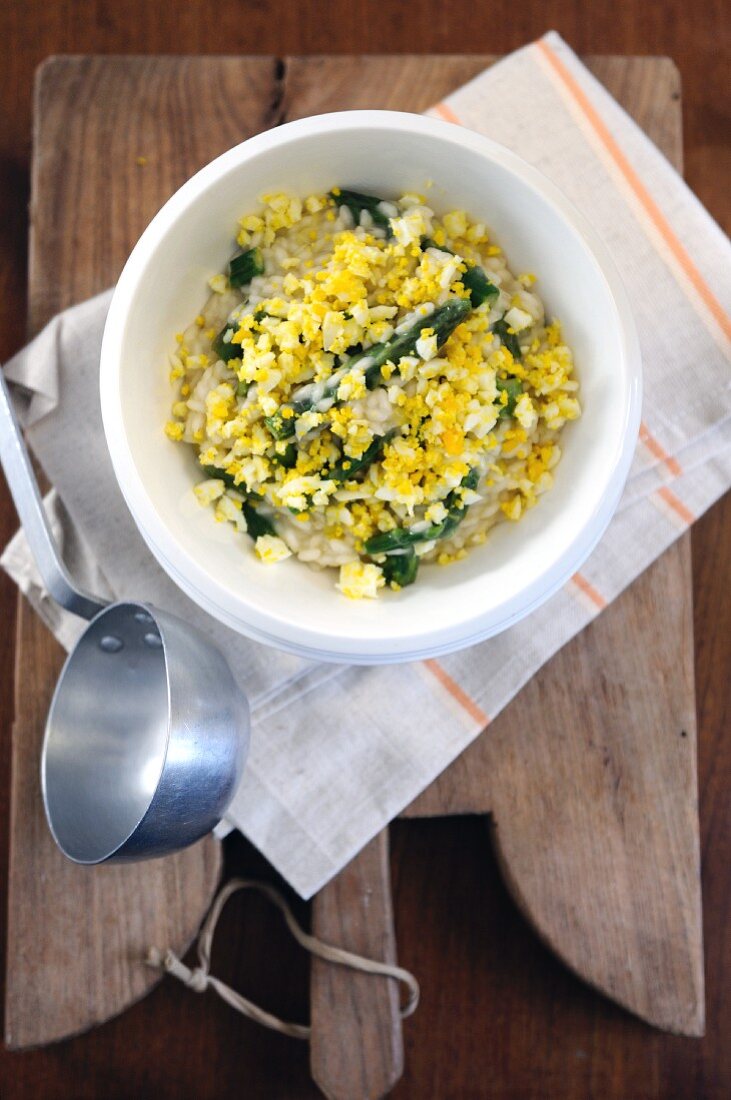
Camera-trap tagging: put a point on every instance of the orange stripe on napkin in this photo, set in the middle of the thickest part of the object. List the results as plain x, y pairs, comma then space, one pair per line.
659, 452
589, 590
677, 505
446, 112
457, 692
649, 206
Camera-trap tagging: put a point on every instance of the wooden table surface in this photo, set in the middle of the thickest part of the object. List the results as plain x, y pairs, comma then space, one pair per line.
500, 1017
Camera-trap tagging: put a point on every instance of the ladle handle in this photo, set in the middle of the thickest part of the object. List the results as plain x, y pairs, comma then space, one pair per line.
29, 506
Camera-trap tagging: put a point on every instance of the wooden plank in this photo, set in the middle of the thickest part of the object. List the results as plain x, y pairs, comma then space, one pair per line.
356, 1046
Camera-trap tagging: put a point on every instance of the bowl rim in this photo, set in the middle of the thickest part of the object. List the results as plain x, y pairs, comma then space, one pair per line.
206, 590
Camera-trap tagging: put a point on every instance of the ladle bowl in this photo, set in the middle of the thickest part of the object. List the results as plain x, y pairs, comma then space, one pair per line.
143, 748
148, 730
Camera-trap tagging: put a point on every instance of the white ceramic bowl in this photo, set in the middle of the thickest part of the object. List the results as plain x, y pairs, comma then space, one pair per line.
290, 605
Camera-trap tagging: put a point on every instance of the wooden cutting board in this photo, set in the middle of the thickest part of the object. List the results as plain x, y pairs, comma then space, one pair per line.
589, 775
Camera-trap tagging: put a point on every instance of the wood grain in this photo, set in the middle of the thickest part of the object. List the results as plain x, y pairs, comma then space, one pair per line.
356, 1049
593, 801
77, 937
496, 1009
90, 197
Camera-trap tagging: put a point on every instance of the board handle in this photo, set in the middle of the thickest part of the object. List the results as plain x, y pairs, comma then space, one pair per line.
356, 1042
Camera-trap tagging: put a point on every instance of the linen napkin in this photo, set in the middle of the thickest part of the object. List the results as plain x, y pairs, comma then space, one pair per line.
338, 751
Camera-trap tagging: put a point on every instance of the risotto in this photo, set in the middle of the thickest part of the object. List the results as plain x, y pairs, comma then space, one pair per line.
369, 387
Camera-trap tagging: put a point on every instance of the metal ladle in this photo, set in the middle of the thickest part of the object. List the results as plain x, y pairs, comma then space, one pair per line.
148, 731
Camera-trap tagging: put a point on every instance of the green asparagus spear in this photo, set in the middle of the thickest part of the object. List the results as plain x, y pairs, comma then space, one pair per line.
398, 539
508, 339
443, 321
245, 266
402, 537
351, 466
257, 524
401, 569
513, 387
357, 201
474, 279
